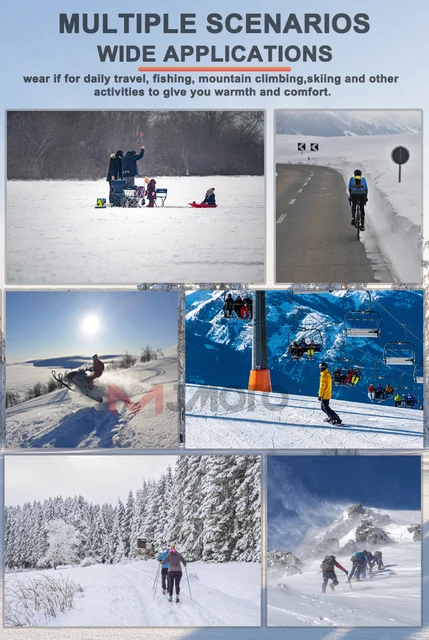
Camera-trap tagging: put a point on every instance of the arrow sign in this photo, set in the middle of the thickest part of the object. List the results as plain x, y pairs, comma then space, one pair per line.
301, 146
314, 146
400, 155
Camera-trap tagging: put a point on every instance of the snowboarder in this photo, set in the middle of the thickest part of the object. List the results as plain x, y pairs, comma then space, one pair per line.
328, 569
325, 394
359, 566
173, 559
378, 555
97, 369
371, 392
114, 171
164, 571
151, 192
129, 166
210, 197
358, 193
370, 559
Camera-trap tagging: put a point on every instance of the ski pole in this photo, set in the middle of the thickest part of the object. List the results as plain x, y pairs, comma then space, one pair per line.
156, 582
156, 577
189, 586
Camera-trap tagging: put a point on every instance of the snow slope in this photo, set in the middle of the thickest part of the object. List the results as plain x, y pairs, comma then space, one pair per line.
66, 419
122, 595
392, 597
394, 212
58, 237
218, 418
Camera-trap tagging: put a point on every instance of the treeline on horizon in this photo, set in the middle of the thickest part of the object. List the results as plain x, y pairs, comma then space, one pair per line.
76, 145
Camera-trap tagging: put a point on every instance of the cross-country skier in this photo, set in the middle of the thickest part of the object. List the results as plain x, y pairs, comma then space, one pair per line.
114, 171
164, 571
359, 567
97, 369
129, 166
173, 559
325, 394
328, 569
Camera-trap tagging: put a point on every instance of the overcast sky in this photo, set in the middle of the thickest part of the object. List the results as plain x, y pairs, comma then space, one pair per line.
99, 478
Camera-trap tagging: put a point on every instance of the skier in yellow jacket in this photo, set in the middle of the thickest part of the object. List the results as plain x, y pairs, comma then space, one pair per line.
325, 394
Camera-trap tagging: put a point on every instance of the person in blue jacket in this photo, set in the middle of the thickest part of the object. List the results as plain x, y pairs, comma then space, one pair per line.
164, 571
358, 193
129, 166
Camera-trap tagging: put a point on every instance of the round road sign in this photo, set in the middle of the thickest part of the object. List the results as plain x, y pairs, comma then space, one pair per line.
400, 155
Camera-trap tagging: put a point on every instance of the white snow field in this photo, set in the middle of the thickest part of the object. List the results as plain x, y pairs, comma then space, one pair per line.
55, 235
120, 595
391, 598
68, 419
218, 418
394, 210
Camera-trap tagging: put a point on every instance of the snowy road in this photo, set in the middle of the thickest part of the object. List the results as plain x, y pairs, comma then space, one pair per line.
238, 419
59, 237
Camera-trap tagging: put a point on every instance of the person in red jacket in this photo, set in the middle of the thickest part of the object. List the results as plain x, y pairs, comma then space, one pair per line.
328, 569
97, 369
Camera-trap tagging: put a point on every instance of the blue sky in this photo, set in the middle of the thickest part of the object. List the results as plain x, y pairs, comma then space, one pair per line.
58, 323
310, 491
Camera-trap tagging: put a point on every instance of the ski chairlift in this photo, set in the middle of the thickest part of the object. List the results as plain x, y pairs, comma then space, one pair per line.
399, 353
404, 391
237, 305
365, 323
343, 376
384, 381
162, 195
304, 341
344, 358
419, 373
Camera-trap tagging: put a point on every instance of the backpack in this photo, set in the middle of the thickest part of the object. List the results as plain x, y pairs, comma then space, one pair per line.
357, 185
354, 559
377, 554
328, 563
360, 556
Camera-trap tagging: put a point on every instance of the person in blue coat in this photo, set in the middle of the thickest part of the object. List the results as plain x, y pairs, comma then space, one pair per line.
129, 166
164, 571
358, 193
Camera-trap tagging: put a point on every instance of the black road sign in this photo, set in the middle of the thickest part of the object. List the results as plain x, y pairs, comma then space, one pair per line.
400, 155
301, 146
314, 146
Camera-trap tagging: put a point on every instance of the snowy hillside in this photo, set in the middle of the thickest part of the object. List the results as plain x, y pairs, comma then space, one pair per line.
391, 597
65, 240
218, 350
218, 418
120, 595
66, 419
394, 211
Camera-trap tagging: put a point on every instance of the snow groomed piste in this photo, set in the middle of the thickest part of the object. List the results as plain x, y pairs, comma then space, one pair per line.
370, 341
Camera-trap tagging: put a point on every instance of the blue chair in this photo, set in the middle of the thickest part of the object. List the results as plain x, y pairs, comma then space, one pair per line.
117, 195
162, 195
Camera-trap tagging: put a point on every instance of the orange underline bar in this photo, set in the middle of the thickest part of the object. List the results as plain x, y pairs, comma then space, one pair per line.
217, 69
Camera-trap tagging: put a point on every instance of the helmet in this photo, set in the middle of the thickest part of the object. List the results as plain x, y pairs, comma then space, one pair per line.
323, 366
94, 356
358, 172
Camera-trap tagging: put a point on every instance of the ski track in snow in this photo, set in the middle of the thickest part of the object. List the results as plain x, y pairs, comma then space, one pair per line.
60, 238
122, 595
68, 419
239, 419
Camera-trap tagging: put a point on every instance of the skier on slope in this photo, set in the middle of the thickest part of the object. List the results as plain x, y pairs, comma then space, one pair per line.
164, 571
173, 559
328, 569
325, 395
359, 566
129, 166
97, 369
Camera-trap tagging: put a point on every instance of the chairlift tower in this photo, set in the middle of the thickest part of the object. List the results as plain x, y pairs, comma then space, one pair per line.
260, 378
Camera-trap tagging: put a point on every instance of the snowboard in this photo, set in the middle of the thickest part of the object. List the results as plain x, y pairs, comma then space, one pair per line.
202, 206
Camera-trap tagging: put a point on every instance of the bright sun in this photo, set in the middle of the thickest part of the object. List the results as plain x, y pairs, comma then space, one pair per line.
90, 324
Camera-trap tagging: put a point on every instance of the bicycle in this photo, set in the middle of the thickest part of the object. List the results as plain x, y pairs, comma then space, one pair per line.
358, 219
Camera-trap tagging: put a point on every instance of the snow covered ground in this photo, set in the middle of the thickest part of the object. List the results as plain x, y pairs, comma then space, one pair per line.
66, 419
56, 236
122, 595
394, 212
391, 598
219, 418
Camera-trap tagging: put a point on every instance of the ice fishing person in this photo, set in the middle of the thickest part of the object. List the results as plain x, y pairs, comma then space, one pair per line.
173, 560
164, 571
114, 171
325, 395
129, 166
328, 569
97, 369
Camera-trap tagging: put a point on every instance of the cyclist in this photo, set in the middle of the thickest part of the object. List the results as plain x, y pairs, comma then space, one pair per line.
358, 193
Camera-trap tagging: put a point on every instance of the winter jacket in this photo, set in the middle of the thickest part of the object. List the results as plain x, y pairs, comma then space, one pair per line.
129, 163
162, 557
115, 168
151, 190
332, 566
173, 559
98, 368
325, 387
210, 197
358, 189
